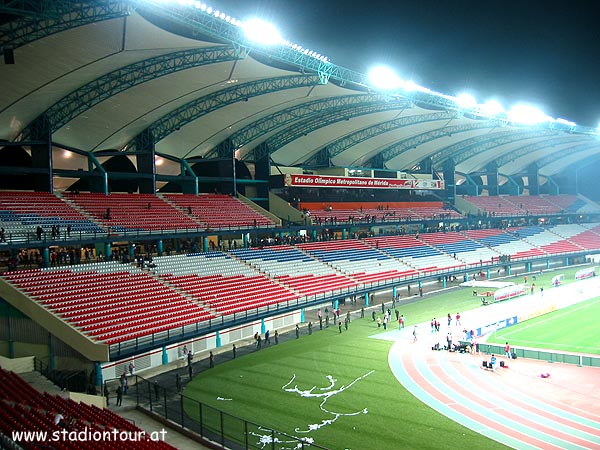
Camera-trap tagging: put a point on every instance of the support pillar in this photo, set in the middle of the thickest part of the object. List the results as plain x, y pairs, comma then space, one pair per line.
165, 356
336, 304
46, 256
131, 251
98, 380
11, 343
366, 299
107, 251
394, 292
567, 261
246, 240
218, 336
205, 244
488, 273
528, 266
159, 247
51, 362
301, 320
444, 281
547, 264
344, 233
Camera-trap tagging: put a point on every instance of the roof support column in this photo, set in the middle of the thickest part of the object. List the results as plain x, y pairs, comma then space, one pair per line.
450, 180
144, 144
262, 168
492, 178
532, 179
41, 154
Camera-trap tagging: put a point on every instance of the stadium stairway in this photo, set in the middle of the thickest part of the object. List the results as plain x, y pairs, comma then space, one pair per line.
82, 211
42, 384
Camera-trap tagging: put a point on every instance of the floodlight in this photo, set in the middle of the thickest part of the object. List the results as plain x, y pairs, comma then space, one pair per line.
527, 115
384, 78
465, 101
410, 86
491, 108
262, 32
566, 122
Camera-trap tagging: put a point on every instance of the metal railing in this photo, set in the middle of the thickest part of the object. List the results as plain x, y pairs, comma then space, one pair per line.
211, 423
544, 355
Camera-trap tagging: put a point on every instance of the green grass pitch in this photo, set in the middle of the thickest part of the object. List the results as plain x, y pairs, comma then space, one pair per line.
286, 387
568, 330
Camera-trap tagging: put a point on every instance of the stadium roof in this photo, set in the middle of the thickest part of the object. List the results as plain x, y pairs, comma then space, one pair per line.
109, 74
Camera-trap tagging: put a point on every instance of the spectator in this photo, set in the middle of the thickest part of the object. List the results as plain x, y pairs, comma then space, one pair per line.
119, 396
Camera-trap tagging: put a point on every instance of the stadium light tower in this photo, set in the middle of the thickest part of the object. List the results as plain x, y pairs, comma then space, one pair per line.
384, 78
261, 32
527, 115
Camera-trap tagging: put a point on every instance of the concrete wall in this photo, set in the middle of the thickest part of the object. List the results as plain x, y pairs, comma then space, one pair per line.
198, 346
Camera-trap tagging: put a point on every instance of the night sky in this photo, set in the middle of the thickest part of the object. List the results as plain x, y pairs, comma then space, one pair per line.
545, 53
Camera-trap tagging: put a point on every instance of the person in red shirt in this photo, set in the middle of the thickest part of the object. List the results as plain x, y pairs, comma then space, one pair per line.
507, 351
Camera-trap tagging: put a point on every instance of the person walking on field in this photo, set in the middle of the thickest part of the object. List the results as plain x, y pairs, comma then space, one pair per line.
507, 351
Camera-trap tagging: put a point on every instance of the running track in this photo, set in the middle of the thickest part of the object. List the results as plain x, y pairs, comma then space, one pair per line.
512, 405
455, 385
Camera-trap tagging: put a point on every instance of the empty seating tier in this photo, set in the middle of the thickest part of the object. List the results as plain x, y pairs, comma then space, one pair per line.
133, 212
23, 409
358, 260
415, 253
218, 211
233, 294
461, 247
110, 306
22, 212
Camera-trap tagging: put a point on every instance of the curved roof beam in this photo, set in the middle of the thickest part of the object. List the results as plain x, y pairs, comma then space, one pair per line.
461, 151
396, 149
526, 149
285, 117
199, 107
286, 136
52, 16
577, 155
352, 139
583, 163
123, 78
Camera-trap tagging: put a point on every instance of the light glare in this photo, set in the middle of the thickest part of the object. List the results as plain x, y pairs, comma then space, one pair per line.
384, 78
262, 32
492, 108
465, 101
527, 115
